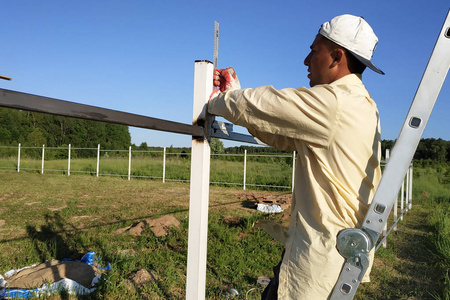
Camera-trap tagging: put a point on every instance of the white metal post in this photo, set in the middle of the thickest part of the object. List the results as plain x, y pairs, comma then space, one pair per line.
98, 158
410, 185
164, 165
129, 163
395, 214
199, 189
18, 159
68, 161
385, 224
43, 155
402, 199
407, 192
293, 170
245, 167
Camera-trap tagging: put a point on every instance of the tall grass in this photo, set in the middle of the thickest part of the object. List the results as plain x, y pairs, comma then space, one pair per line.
432, 189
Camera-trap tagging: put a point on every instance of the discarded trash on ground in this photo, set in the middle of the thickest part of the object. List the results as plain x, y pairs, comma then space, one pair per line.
263, 280
274, 208
52, 277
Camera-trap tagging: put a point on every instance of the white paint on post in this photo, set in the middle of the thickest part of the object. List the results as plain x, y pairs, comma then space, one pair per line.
18, 159
245, 167
293, 169
129, 163
43, 156
98, 159
199, 190
68, 161
164, 165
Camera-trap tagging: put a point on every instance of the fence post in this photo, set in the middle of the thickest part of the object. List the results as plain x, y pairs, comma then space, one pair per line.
402, 199
68, 161
199, 189
18, 159
164, 165
43, 155
129, 163
407, 192
385, 224
410, 170
245, 167
98, 158
293, 170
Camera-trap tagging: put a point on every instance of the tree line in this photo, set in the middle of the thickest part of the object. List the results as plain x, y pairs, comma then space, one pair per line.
36, 129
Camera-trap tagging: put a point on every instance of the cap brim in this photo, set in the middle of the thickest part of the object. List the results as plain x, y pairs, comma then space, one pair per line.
367, 62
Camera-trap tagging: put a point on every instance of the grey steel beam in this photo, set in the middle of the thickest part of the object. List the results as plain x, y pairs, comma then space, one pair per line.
23, 101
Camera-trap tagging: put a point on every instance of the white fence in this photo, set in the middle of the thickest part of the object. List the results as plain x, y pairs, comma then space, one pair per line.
164, 154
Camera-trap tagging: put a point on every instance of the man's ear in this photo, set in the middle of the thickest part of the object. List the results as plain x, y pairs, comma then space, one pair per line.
337, 56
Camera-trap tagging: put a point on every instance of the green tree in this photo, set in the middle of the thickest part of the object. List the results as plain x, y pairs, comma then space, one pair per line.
36, 138
217, 146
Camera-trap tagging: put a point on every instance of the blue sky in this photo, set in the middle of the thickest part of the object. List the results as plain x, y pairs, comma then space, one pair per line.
138, 56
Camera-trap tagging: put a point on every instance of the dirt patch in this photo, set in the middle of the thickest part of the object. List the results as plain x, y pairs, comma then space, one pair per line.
53, 271
2, 222
142, 277
78, 218
253, 199
56, 208
159, 227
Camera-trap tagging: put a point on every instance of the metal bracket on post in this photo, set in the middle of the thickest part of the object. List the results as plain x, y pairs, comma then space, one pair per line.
394, 173
223, 130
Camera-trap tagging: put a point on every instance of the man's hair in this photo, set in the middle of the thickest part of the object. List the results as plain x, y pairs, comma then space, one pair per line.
353, 64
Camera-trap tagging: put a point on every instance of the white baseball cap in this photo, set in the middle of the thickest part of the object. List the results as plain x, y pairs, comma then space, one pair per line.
354, 34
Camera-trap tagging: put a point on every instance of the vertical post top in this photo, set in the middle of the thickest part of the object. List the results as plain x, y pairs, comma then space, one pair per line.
203, 61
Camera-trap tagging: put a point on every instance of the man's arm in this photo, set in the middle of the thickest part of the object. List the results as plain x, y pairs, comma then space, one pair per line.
270, 114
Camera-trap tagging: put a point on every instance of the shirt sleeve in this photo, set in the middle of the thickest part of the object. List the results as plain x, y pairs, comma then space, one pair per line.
303, 114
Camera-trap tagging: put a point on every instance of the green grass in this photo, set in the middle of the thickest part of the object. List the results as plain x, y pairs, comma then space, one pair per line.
52, 216
415, 264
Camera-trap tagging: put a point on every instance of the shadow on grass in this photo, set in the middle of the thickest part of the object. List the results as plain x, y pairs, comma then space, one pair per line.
56, 225
51, 240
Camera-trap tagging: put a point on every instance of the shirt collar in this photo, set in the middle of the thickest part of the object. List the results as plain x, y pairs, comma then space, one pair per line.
353, 78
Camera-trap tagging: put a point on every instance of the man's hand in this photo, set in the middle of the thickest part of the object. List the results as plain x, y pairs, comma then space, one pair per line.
226, 79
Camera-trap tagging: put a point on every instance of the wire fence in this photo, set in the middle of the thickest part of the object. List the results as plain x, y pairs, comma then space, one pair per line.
268, 171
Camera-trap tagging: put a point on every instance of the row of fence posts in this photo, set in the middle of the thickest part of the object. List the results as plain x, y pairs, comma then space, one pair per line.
244, 184
405, 199
405, 194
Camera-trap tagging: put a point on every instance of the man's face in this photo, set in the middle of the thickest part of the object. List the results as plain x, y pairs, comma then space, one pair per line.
319, 62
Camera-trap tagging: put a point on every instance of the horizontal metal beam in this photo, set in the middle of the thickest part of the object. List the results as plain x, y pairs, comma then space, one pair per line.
23, 101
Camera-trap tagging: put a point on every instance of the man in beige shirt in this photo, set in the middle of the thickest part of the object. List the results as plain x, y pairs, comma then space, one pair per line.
334, 127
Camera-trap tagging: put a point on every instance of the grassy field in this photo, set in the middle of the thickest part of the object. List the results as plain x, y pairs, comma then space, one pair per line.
52, 216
